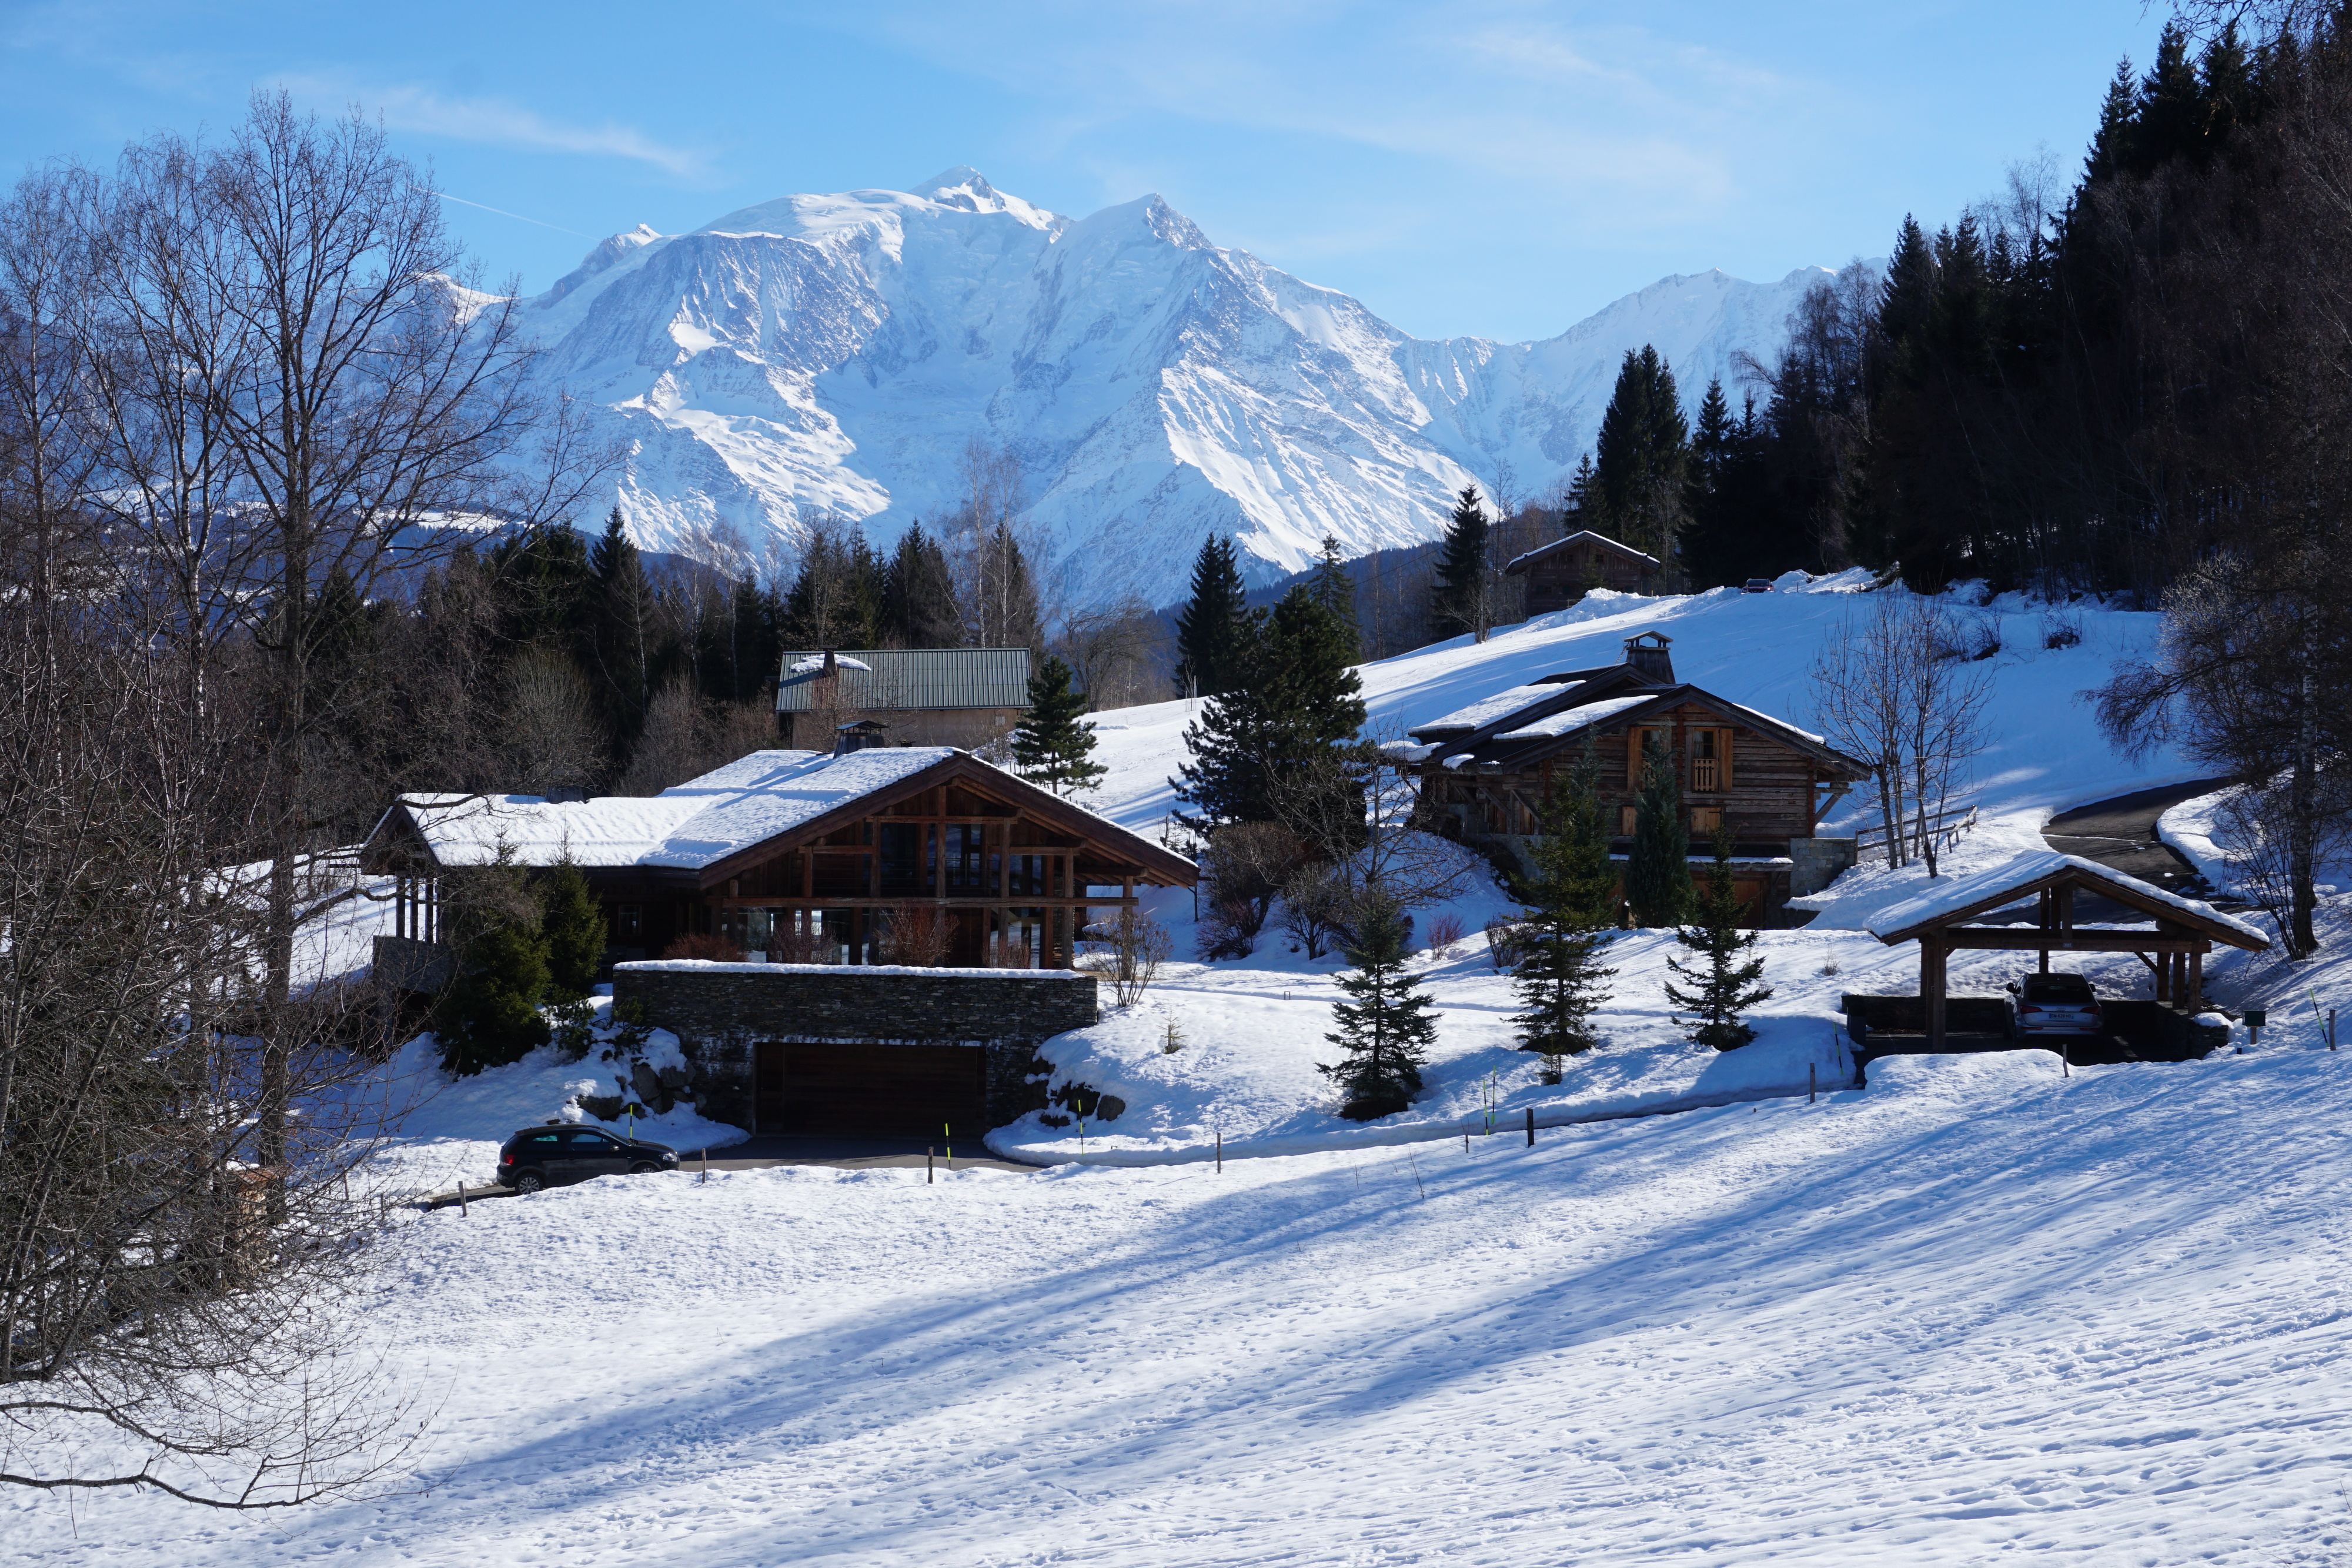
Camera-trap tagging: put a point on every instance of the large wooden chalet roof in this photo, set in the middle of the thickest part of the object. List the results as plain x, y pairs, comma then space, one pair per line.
712, 827
1520, 563
1520, 727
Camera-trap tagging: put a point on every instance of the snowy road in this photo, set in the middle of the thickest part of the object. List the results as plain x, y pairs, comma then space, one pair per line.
1973, 1312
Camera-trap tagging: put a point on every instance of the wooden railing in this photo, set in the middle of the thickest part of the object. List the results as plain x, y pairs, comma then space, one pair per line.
1945, 827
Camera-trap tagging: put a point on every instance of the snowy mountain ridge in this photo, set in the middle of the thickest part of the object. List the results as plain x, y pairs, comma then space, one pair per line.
842, 352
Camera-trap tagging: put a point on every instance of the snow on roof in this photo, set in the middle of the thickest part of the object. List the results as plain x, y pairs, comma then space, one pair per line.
842, 661
788, 796
716, 966
1563, 543
1407, 751
1960, 892
470, 830
1569, 720
1501, 705
1782, 723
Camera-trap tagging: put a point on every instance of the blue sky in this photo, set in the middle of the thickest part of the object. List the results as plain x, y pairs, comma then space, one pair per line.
1460, 165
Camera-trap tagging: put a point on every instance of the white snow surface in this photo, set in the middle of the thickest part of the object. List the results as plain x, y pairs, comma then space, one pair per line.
1568, 721
1488, 710
837, 353
1978, 1310
1959, 893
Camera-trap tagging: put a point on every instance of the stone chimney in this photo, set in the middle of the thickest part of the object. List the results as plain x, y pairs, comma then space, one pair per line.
1646, 651
830, 669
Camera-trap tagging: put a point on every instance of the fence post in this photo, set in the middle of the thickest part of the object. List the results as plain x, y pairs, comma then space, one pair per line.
461, 1200
1531, 1126
928, 1156
1813, 1081
1220, 1150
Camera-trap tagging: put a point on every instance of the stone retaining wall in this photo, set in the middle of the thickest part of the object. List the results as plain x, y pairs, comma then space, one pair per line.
718, 1011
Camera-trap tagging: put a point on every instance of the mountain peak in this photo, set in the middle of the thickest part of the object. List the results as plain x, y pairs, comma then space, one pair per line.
966, 188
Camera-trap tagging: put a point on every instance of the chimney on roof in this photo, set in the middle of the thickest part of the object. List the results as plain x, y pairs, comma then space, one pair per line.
830, 669
1646, 651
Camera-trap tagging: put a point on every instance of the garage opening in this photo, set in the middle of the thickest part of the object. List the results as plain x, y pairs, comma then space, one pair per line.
846, 1086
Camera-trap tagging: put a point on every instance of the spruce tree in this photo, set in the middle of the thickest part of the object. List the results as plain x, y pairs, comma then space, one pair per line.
1298, 699
1723, 984
919, 597
1642, 455
1334, 591
1384, 1026
1458, 597
624, 639
1051, 747
1211, 631
574, 927
1715, 548
1569, 896
1657, 875
490, 1014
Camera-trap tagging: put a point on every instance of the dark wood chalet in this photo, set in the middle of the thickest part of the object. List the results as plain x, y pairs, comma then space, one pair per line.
1484, 768
1563, 572
799, 855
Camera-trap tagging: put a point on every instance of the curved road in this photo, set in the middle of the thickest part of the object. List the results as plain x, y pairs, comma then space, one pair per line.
2121, 834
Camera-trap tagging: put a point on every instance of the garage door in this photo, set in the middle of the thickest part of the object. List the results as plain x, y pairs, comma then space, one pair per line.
841, 1087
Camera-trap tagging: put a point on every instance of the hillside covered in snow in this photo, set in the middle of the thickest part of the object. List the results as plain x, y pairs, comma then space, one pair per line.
841, 352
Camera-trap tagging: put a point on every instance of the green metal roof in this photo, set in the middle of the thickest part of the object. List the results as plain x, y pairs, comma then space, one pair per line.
909, 678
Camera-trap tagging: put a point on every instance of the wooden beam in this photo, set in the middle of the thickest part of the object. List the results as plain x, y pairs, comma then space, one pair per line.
2027, 939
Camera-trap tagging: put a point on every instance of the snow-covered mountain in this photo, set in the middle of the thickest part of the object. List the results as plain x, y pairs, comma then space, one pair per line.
844, 352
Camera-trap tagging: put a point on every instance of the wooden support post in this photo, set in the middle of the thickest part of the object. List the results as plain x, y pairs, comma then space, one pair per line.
2196, 982
1531, 1126
1937, 965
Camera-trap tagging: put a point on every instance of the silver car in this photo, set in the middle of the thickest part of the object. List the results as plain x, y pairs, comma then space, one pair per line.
2054, 1004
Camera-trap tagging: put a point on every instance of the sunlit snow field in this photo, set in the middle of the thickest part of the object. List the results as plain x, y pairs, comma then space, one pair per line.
1977, 1310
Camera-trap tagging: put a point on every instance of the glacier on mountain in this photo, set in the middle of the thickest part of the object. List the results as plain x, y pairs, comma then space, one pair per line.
843, 353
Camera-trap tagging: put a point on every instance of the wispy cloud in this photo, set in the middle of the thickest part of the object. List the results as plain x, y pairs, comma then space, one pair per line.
500, 123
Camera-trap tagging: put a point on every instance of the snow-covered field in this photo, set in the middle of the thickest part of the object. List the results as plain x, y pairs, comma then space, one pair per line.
1974, 1311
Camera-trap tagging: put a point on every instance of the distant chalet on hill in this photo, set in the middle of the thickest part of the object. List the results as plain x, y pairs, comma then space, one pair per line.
1487, 766
1565, 570
828, 698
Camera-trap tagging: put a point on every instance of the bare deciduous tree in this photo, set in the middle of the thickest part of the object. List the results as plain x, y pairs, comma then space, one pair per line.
1891, 688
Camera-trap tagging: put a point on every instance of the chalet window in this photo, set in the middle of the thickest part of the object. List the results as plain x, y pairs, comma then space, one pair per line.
1710, 761
967, 866
1027, 877
1019, 940
1636, 747
901, 848
628, 921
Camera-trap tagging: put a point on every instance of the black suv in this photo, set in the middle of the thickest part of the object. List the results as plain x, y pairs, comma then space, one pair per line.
555, 1154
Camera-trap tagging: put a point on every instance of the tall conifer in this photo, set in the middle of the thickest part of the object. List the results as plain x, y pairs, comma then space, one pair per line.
1458, 597
1334, 591
1213, 630
1569, 896
1640, 456
1721, 982
1384, 1026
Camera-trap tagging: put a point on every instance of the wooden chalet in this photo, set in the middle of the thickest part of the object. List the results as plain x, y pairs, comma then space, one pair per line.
908, 696
800, 855
1565, 570
1486, 767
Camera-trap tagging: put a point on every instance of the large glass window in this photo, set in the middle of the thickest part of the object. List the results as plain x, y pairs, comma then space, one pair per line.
966, 864
903, 867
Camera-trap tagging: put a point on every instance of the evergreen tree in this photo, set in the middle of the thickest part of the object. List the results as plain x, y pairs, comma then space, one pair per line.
1657, 875
1006, 613
1052, 745
1298, 699
574, 927
1334, 591
1384, 1026
1716, 548
1211, 631
1642, 455
1568, 898
1458, 597
1580, 507
918, 598
623, 638
1722, 983
490, 1014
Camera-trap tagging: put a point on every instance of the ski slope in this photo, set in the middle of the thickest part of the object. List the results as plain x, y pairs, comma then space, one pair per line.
1975, 1311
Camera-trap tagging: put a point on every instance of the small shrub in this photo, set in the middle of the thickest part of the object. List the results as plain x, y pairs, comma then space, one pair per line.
1127, 952
916, 935
1503, 943
2062, 629
575, 1027
710, 948
1173, 1041
1445, 932
1227, 930
1319, 907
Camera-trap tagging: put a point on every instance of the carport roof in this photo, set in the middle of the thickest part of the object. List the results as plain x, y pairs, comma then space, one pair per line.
2029, 874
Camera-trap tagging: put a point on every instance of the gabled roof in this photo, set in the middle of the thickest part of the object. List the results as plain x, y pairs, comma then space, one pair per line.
1515, 736
1520, 563
733, 815
1567, 689
2029, 874
883, 679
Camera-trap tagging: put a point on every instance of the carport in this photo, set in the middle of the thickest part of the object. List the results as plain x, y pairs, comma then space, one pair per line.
2037, 894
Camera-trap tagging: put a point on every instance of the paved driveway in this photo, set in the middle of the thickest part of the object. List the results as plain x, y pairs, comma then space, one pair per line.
848, 1152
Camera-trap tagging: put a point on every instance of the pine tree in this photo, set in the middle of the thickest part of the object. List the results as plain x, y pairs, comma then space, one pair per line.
1582, 509
1051, 747
1657, 873
1334, 591
1714, 548
1458, 597
1723, 984
1569, 894
1384, 1026
624, 639
1298, 699
489, 1015
1211, 631
918, 601
574, 927
1640, 456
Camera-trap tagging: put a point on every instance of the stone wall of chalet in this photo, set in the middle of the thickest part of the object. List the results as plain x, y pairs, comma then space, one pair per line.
719, 1011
